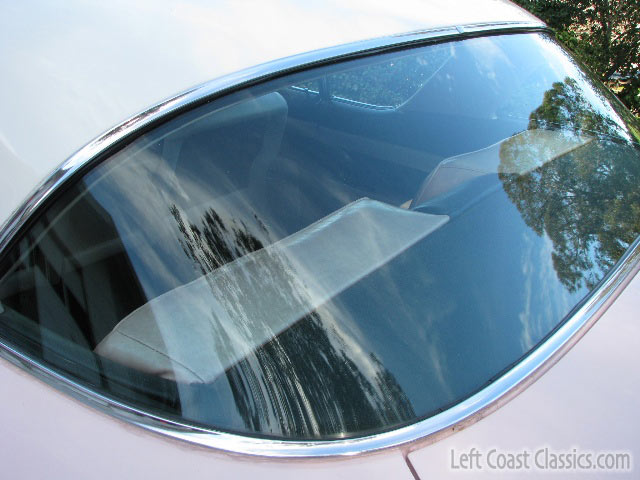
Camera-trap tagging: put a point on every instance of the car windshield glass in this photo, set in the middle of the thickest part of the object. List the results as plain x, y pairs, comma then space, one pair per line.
336, 252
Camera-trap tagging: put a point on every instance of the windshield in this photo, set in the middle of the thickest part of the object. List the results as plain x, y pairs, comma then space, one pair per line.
337, 252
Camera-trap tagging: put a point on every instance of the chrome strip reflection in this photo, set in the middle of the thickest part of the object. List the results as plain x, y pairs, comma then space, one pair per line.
428, 430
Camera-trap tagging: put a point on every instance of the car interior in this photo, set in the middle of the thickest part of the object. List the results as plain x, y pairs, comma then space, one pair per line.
275, 204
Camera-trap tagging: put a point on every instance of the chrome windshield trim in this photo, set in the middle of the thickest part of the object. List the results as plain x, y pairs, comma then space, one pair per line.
431, 429
129, 128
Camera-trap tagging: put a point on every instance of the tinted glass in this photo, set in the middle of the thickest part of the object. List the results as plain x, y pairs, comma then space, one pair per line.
293, 261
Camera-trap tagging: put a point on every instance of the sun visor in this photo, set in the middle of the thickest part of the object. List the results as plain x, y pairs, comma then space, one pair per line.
194, 333
518, 155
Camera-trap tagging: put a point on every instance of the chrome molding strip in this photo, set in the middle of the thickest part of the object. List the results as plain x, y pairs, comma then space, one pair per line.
128, 129
428, 430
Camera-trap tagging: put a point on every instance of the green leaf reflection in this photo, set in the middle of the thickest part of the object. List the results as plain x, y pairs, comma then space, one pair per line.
586, 201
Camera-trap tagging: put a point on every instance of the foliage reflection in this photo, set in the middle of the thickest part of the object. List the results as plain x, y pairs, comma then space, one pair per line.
587, 201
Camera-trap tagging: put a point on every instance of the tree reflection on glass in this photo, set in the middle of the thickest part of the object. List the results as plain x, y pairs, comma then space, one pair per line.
294, 369
215, 243
587, 201
311, 381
